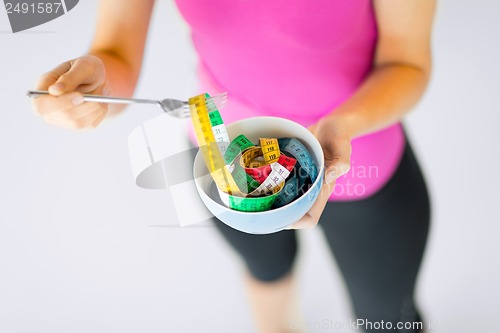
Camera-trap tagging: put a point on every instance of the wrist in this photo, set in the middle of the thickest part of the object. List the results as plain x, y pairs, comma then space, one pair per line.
346, 123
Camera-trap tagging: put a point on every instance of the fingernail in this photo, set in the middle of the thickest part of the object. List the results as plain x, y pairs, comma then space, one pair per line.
77, 100
57, 88
330, 177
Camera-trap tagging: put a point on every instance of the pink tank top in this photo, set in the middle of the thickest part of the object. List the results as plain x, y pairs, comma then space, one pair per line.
298, 60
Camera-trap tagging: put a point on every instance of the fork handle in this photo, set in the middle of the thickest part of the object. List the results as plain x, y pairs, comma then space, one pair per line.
99, 99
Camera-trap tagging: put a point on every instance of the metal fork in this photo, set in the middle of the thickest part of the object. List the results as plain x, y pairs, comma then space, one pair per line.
173, 107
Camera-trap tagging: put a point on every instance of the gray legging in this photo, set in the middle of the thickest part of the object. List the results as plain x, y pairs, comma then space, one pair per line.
378, 244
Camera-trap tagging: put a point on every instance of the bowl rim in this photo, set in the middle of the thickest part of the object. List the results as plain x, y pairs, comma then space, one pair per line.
302, 197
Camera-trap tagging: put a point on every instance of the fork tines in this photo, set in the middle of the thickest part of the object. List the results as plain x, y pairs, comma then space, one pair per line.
217, 101
214, 103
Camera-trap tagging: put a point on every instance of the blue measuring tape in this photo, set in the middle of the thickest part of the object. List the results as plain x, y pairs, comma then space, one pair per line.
304, 175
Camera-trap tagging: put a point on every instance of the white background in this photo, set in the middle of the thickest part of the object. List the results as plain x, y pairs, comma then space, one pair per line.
78, 248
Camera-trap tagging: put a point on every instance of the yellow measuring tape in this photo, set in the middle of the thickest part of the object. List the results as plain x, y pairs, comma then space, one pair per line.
270, 149
209, 147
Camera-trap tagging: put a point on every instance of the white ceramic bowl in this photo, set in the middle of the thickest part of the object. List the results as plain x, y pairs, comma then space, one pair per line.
272, 220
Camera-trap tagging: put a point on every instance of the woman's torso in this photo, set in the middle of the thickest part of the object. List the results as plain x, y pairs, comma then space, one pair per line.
298, 60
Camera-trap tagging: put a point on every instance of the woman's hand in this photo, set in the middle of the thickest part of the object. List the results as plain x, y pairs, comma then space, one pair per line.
66, 83
335, 140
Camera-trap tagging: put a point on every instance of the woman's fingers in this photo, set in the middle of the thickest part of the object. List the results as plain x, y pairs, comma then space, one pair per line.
65, 106
70, 111
337, 158
86, 116
44, 105
336, 148
49, 78
84, 74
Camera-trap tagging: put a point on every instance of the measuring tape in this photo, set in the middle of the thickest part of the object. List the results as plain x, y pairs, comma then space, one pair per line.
254, 165
249, 178
270, 149
239, 144
295, 148
219, 130
304, 175
209, 147
261, 194
288, 194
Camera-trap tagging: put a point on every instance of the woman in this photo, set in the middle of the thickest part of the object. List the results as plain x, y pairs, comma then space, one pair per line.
349, 70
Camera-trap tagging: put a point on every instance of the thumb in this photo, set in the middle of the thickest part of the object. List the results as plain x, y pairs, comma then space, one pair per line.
335, 170
78, 73
337, 164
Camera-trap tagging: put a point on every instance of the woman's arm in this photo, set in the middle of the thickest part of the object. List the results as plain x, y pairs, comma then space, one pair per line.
120, 36
401, 71
402, 67
111, 67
